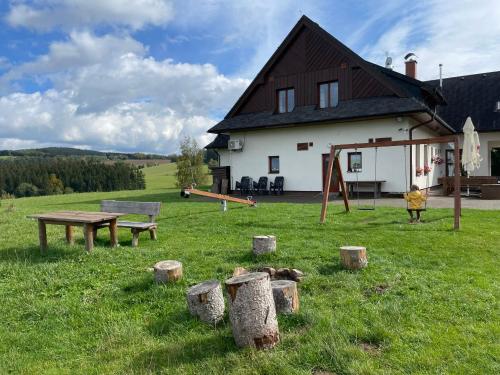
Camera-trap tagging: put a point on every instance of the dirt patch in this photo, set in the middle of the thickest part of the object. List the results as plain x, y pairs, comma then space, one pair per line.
378, 289
370, 348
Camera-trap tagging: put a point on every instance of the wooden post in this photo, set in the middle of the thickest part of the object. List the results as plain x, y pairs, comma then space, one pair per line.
286, 297
69, 235
205, 300
42, 235
113, 232
167, 271
457, 208
326, 190
353, 257
88, 234
251, 311
345, 194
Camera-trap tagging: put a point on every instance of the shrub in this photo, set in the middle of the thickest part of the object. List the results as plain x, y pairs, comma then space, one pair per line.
190, 164
27, 190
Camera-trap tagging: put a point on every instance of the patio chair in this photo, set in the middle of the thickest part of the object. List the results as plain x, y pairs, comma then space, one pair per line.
276, 187
261, 186
245, 186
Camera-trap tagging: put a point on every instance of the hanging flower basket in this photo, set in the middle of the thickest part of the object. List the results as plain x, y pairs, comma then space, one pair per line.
437, 160
419, 171
427, 169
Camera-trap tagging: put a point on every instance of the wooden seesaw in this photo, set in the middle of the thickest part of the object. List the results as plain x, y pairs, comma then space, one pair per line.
222, 197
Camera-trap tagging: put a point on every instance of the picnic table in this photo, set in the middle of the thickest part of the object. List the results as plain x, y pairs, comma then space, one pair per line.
88, 220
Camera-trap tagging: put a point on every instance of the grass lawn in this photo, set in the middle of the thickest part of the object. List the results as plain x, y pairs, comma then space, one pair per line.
427, 303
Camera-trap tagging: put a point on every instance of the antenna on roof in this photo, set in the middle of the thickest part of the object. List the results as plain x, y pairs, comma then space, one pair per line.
388, 61
441, 76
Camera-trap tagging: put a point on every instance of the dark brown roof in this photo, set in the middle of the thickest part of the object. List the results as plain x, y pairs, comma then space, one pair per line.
473, 95
409, 95
346, 110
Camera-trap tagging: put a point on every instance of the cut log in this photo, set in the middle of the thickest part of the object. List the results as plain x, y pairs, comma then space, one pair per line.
205, 300
167, 271
353, 257
286, 297
251, 311
270, 270
264, 244
239, 271
282, 273
296, 275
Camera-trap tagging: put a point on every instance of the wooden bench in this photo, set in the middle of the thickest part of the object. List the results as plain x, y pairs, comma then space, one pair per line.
490, 191
151, 209
375, 185
474, 182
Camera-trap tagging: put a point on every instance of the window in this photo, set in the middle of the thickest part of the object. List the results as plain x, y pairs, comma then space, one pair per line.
354, 162
286, 100
329, 94
302, 146
274, 164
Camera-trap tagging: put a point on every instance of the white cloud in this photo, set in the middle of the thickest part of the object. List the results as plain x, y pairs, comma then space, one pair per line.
121, 100
462, 35
45, 15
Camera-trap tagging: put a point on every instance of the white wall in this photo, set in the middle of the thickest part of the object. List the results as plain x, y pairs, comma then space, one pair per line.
303, 169
488, 141
437, 171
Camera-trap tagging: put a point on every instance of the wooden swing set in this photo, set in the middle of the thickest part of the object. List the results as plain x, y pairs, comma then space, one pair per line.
334, 162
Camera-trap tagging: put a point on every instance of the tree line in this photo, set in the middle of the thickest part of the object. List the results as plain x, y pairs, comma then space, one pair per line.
76, 152
45, 176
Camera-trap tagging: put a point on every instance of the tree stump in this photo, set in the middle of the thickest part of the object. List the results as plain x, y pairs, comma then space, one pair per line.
353, 257
205, 300
264, 244
167, 271
251, 311
286, 296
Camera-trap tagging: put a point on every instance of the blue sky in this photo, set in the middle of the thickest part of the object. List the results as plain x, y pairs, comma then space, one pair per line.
138, 75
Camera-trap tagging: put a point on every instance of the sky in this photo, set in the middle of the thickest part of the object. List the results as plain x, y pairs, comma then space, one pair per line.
140, 75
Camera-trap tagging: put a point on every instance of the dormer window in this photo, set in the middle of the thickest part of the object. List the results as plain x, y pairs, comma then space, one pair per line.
497, 106
286, 100
329, 94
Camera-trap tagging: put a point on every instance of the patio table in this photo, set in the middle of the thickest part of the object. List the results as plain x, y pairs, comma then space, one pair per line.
85, 219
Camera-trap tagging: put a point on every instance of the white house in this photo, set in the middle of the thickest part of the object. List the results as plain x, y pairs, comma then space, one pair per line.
314, 92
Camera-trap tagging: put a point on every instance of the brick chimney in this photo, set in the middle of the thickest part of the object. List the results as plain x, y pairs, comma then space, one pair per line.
411, 65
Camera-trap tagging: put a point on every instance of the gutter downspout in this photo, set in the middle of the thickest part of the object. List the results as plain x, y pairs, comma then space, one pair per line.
410, 137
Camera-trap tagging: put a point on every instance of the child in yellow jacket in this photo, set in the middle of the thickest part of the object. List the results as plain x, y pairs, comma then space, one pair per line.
415, 201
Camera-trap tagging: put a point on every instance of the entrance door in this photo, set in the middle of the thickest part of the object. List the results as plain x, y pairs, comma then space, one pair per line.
334, 184
495, 161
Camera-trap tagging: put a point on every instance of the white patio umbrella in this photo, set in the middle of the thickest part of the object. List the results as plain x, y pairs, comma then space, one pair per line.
471, 159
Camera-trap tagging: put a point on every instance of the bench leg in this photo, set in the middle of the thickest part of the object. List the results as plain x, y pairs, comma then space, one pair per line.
152, 234
42, 235
88, 233
69, 235
113, 233
135, 238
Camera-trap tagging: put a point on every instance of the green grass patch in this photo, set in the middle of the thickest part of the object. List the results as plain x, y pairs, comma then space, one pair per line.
427, 303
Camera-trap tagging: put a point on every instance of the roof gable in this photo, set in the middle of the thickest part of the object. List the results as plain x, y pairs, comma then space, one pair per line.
310, 49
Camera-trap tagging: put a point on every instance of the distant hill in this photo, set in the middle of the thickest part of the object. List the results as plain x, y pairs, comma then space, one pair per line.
76, 152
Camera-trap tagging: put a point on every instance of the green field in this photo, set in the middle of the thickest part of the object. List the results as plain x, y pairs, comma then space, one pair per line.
427, 303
